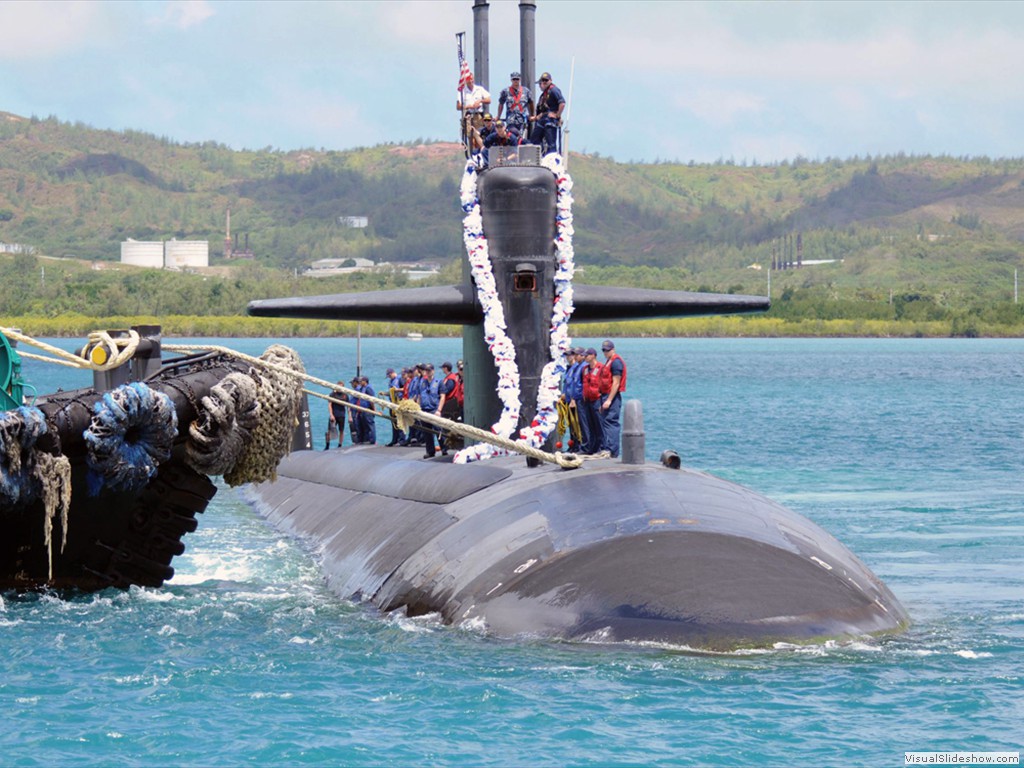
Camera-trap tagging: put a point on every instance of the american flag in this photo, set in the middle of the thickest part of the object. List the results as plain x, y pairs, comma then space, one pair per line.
464, 73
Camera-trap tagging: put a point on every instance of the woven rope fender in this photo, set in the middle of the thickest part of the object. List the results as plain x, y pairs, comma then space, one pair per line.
230, 414
131, 433
280, 398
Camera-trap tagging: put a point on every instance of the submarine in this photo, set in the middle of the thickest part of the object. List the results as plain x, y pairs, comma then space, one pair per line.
606, 551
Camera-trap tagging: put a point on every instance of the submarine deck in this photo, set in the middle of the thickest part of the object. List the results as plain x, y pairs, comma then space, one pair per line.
650, 552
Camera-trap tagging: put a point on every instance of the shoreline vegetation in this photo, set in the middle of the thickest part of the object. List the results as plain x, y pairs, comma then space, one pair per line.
75, 325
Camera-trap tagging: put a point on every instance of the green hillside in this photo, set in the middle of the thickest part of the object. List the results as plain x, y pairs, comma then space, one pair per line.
904, 236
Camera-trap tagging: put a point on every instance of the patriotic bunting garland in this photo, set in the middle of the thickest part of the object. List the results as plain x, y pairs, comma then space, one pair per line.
498, 342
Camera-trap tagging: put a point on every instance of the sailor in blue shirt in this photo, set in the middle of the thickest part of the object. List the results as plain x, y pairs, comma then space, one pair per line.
550, 105
572, 388
366, 428
430, 400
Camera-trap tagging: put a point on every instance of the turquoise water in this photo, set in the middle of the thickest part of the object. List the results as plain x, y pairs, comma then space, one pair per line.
910, 451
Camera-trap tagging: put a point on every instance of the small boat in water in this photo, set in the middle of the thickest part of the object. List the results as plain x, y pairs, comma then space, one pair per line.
414, 336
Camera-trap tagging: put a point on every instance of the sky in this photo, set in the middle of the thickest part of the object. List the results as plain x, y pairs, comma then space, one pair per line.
753, 82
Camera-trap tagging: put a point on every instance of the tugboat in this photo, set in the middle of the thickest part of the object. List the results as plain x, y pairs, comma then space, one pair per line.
602, 550
99, 485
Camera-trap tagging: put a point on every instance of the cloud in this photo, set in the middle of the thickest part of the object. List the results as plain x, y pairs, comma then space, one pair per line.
44, 29
183, 14
719, 107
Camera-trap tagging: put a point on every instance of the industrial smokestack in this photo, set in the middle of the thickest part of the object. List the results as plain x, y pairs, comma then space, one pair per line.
481, 52
528, 43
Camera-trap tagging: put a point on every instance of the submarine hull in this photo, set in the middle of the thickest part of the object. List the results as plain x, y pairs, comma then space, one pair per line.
607, 553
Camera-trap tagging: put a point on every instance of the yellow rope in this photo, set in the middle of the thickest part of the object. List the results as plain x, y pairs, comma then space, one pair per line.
406, 412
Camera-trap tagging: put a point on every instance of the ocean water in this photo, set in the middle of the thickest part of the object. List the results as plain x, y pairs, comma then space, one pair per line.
911, 452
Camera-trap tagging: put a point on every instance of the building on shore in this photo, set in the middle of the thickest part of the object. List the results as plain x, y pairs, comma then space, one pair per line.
172, 254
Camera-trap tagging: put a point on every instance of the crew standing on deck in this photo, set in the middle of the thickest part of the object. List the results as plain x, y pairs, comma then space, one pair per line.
394, 390
613, 384
572, 394
517, 104
450, 402
430, 398
550, 105
473, 101
366, 427
592, 403
336, 413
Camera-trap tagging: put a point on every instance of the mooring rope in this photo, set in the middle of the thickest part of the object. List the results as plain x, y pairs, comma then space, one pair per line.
118, 351
406, 411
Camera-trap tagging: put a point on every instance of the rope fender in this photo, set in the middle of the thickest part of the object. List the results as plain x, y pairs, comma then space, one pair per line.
279, 391
26, 472
230, 414
132, 431
19, 431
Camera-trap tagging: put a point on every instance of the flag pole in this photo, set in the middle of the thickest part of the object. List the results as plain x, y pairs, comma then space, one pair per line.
462, 99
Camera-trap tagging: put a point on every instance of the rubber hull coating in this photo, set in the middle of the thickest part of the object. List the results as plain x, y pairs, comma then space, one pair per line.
606, 553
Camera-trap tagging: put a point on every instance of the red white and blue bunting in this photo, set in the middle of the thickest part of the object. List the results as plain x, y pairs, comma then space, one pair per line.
497, 339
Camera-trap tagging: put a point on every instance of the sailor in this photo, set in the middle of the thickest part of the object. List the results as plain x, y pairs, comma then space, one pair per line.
430, 399
572, 394
550, 105
450, 402
613, 384
394, 389
501, 136
592, 403
476, 100
336, 413
366, 425
353, 422
519, 105
488, 128
412, 392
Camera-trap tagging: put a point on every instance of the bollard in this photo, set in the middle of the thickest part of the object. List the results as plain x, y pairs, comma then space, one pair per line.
633, 441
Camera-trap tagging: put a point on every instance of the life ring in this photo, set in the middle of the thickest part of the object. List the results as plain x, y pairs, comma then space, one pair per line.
131, 433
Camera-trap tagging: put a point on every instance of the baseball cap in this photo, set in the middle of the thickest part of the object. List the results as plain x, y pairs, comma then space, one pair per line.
591, 351
607, 344
514, 76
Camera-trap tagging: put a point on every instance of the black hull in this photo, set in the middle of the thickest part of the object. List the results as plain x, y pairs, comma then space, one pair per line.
115, 538
607, 553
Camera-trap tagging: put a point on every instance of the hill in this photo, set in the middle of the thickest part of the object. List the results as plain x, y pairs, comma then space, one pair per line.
928, 231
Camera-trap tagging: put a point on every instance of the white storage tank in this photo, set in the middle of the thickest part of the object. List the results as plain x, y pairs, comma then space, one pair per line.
180, 254
143, 253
